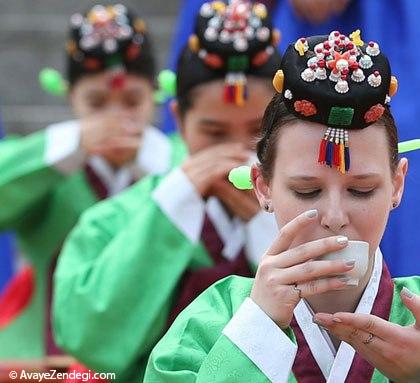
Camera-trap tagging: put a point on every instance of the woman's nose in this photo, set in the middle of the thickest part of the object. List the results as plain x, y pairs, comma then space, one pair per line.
334, 218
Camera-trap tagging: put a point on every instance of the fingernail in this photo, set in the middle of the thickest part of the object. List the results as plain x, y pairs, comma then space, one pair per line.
407, 293
352, 282
344, 278
319, 324
351, 263
342, 240
312, 213
337, 320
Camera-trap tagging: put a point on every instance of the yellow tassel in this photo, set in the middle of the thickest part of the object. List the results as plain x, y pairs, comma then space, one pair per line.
239, 94
342, 160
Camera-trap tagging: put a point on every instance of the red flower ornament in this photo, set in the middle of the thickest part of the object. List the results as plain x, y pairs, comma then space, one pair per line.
305, 107
374, 113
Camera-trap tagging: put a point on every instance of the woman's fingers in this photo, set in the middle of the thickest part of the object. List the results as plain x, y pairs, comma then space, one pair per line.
319, 286
309, 271
368, 323
289, 231
311, 250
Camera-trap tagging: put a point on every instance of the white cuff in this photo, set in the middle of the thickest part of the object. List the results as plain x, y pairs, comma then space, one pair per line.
154, 156
262, 341
62, 149
179, 200
260, 233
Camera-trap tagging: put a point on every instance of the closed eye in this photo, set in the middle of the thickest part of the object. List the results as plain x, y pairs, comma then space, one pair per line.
361, 193
307, 195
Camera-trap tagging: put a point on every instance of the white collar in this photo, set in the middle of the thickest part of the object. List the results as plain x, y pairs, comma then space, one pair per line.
335, 367
231, 231
115, 180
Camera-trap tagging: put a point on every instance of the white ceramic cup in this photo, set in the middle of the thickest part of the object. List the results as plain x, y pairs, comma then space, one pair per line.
357, 251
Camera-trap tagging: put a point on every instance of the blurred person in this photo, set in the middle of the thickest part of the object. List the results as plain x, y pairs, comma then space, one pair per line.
48, 178
135, 261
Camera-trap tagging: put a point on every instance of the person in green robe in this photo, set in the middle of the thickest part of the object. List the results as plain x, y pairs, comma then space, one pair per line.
48, 178
310, 315
135, 261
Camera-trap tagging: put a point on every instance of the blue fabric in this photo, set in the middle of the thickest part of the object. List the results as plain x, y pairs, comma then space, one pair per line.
6, 252
394, 24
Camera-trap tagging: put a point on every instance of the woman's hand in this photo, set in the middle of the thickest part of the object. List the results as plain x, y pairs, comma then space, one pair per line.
285, 274
241, 203
110, 135
392, 349
214, 163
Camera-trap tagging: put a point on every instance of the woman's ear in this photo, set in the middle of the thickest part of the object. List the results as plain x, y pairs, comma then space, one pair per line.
398, 181
261, 188
174, 107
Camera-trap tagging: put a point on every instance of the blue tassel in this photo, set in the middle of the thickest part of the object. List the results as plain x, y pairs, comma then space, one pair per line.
347, 157
330, 153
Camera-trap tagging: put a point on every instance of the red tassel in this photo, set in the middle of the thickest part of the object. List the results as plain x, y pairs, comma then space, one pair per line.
336, 157
17, 296
322, 151
226, 93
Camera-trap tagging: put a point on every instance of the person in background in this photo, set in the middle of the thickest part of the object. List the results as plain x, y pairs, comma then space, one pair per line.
49, 178
135, 261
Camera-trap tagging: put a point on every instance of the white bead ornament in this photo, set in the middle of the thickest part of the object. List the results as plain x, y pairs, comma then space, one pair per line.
263, 34
288, 94
76, 20
308, 75
373, 49
358, 75
215, 22
206, 10
210, 34
374, 81
334, 76
241, 45
225, 37
249, 33
320, 73
365, 62
110, 46
342, 86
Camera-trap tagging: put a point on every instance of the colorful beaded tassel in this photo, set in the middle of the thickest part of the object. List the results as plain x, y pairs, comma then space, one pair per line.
235, 89
334, 149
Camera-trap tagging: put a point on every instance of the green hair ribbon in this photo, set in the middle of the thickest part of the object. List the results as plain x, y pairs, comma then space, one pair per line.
52, 82
167, 86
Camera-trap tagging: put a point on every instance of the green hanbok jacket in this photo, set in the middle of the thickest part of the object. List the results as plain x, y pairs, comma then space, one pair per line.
44, 188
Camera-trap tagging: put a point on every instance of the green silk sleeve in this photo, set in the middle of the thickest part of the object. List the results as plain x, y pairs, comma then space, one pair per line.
115, 281
25, 179
195, 349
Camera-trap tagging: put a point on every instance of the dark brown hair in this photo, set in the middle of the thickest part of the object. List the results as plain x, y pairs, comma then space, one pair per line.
277, 115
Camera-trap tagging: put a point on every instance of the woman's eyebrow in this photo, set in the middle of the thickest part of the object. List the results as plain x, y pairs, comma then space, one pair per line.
356, 176
208, 121
366, 175
303, 178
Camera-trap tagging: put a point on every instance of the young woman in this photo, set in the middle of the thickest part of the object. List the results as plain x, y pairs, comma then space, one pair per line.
135, 261
302, 318
49, 178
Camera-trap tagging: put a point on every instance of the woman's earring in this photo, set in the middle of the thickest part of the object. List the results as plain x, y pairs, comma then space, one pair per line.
394, 205
268, 208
